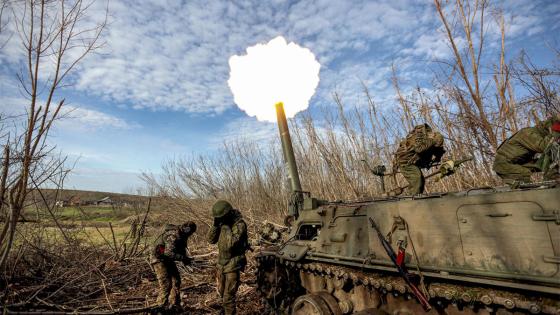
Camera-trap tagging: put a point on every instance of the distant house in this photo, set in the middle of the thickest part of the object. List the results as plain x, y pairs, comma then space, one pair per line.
74, 201
89, 202
70, 202
104, 202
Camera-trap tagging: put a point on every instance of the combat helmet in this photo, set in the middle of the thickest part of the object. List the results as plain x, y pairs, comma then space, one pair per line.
221, 208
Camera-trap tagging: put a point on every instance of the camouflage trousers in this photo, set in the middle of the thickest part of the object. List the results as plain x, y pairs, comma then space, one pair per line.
228, 283
169, 281
511, 172
414, 177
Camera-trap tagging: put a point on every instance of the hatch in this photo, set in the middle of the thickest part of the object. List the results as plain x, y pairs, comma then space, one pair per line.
503, 237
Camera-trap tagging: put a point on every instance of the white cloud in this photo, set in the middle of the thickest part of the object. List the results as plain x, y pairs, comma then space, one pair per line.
80, 118
71, 117
171, 55
432, 46
246, 129
527, 18
102, 179
523, 18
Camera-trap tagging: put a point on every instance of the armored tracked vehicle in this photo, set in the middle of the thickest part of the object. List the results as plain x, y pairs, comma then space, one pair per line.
481, 251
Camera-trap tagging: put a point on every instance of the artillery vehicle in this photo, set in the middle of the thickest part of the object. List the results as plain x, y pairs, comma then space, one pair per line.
481, 251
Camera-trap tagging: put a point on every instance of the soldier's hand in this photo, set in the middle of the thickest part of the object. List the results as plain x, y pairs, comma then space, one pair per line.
447, 168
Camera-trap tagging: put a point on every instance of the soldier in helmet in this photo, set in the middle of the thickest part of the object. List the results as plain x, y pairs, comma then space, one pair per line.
517, 157
421, 148
169, 247
230, 233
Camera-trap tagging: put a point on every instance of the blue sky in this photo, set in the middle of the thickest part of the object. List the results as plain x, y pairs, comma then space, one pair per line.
158, 88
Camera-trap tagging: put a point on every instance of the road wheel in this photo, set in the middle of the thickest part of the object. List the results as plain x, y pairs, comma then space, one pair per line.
310, 304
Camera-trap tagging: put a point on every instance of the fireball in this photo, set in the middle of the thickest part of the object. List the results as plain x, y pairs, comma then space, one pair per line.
274, 72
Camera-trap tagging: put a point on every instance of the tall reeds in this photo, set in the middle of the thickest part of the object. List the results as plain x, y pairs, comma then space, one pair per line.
474, 109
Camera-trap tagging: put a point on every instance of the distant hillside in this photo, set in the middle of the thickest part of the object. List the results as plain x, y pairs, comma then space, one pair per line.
87, 196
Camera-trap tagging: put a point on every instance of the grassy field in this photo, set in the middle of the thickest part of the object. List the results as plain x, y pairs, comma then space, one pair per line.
94, 213
91, 224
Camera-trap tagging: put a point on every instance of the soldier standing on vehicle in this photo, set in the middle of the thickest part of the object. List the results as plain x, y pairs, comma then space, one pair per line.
516, 158
230, 233
422, 148
169, 247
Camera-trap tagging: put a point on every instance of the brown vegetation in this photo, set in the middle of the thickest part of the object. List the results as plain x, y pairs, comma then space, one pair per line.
76, 270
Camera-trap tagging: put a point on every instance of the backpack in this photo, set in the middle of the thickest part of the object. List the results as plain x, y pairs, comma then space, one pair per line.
405, 153
159, 243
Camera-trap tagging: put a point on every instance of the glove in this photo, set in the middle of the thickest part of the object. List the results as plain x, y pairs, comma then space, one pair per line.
447, 168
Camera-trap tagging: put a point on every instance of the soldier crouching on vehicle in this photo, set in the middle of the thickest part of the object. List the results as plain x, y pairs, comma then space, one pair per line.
230, 233
169, 247
422, 148
516, 158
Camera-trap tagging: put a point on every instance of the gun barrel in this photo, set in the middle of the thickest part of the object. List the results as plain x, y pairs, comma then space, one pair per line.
287, 148
463, 160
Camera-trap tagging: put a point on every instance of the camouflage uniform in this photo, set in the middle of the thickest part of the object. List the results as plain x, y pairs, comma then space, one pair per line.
516, 158
230, 233
169, 247
420, 149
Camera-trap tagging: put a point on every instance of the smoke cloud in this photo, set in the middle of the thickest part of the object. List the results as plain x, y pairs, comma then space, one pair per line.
270, 73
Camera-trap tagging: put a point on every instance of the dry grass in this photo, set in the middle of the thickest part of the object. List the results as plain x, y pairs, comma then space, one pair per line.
47, 274
82, 264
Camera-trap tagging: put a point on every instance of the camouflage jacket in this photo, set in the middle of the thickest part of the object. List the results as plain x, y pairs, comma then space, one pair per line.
419, 148
232, 243
169, 247
522, 146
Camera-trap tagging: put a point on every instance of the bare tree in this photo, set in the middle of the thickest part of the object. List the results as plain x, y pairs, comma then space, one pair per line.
465, 21
55, 35
541, 83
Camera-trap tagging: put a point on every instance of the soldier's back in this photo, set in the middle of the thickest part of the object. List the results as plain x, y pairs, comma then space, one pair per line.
406, 153
523, 145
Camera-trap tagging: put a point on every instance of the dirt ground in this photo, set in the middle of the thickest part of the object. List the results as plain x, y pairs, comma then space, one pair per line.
91, 259
118, 285
200, 296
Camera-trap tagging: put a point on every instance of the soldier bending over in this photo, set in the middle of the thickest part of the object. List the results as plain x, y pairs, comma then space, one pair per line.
516, 158
422, 148
169, 247
230, 232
